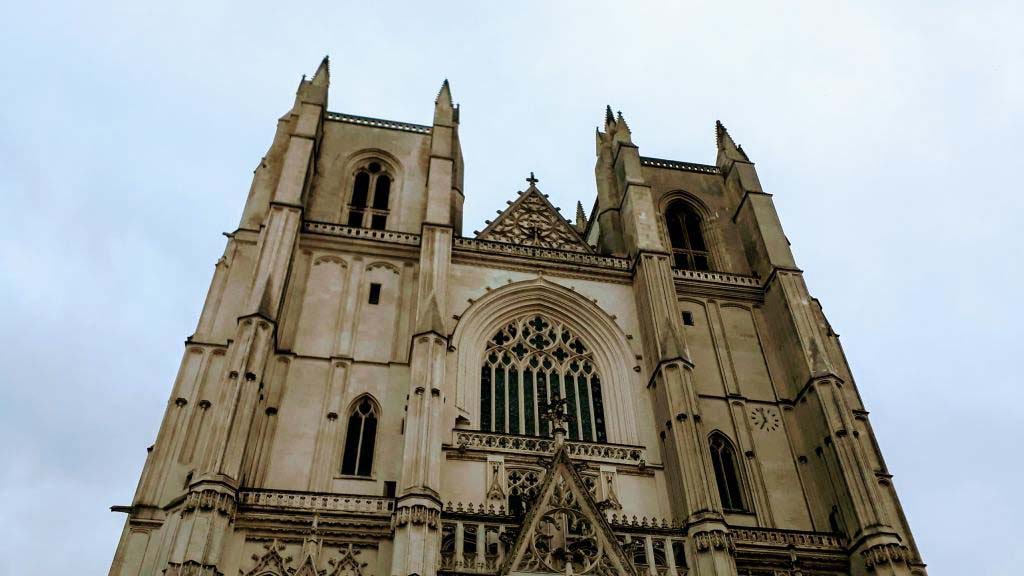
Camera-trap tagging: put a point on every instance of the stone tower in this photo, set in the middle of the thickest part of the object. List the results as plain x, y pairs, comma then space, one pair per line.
647, 389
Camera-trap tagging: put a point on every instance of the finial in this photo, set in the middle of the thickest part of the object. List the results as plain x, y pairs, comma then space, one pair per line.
581, 216
622, 121
532, 180
609, 118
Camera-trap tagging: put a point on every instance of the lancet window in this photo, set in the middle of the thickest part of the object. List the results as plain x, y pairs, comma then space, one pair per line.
371, 197
528, 363
689, 251
360, 439
727, 473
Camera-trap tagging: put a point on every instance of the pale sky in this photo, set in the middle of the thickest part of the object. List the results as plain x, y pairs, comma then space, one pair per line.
888, 132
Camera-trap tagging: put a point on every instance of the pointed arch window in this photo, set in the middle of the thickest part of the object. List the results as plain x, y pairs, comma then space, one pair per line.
370, 202
360, 438
531, 361
727, 473
686, 235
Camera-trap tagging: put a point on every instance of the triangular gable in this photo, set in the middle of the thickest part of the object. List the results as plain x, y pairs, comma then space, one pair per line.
533, 221
565, 532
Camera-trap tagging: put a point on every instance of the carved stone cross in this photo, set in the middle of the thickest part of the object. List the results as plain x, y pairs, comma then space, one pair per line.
532, 180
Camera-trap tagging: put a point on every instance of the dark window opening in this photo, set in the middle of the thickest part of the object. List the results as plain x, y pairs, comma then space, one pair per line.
361, 190
374, 293
679, 553
727, 474
371, 197
382, 193
360, 438
390, 488
688, 318
686, 236
355, 218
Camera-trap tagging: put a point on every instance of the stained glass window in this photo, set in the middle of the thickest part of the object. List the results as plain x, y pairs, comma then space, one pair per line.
530, 361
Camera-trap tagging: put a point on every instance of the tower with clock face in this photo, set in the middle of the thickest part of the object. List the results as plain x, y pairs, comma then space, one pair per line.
648, 389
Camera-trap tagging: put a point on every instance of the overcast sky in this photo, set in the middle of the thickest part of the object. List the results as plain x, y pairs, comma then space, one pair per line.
889, 133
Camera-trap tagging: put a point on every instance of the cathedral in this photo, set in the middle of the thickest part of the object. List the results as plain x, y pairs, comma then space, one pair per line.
646, 388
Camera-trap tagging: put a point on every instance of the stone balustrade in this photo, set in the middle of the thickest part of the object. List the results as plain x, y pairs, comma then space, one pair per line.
346, 503
495, 442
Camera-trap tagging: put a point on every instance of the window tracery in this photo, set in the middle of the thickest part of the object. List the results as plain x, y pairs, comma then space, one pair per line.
360, 439
727, 473
686, 236
528, 363
370, 201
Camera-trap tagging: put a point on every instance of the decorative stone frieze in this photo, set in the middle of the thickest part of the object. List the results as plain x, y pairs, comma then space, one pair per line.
714, 539
417, 514
885, 554
191, 568
208, 499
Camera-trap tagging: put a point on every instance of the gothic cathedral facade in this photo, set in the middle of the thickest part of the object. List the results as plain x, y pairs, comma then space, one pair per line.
647, 389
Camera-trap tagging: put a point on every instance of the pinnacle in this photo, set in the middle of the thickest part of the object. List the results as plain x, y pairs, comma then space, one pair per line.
322, 76
581, 217
622, 121
430, 318
609, 118
444, 95
720, 131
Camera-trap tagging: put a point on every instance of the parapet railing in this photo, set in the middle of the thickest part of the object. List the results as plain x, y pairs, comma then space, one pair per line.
537, 253
356, 232
319, 502
495, 442
719, 277
378, 123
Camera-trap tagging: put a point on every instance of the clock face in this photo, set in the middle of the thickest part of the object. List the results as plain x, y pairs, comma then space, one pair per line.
764, 418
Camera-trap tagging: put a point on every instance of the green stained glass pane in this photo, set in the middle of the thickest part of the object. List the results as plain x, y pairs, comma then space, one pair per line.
555, 383
528, 402
595, 390
586, 419
513, 400
485, 398
499, 399
570, 408
542, 399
